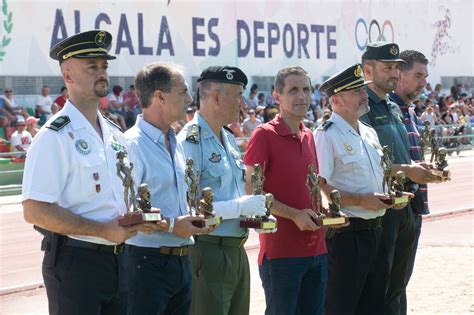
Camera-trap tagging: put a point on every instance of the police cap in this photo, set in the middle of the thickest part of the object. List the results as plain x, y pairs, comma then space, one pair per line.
90, 44
345, 80
382, 51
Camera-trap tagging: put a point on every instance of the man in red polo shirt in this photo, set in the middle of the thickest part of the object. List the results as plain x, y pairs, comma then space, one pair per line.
292, 261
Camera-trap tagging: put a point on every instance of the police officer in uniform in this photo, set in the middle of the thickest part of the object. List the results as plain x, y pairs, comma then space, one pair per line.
349, 154
71, 190
219, 264
380, 64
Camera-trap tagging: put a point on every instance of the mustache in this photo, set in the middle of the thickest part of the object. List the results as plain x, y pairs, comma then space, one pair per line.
102, 81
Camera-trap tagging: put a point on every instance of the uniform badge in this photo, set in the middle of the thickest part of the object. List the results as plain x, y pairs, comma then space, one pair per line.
394, 50
229, 74
95, 176
215, 158
349, 149
193, 134
358, 72
116, 146
82, 147
97, 188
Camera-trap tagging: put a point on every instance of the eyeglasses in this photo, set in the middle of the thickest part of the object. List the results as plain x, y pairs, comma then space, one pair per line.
8, 91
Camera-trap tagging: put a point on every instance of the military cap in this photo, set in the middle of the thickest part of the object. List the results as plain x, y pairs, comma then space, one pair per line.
226, 74
382, 51
345, 80
90, 44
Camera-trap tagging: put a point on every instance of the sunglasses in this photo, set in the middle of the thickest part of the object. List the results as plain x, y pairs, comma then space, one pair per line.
8, 91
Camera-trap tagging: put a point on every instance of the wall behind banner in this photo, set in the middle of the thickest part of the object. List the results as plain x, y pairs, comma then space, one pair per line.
262, 37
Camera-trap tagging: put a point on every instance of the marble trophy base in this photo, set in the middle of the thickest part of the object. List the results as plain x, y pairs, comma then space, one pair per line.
207, 222
138, 217
260, 223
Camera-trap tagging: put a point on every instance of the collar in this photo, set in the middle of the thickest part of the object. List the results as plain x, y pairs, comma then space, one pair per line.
282, 129
397, 99
374, 97
343, 125
151, 131
205, 130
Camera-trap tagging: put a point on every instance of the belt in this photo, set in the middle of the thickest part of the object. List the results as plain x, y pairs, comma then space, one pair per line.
175, 251
114, 249
358, 224
222, 240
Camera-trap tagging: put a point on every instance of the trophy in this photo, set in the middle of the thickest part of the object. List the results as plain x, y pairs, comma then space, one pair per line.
425, 139
331, 217
392, 186
260, 222
135, 214
195, 205
441, 164
206, 208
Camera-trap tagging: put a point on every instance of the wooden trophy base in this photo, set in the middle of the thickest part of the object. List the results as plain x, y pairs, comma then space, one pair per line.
445, 174
323, 220
259, 223
211, 221
396, 200
138, 217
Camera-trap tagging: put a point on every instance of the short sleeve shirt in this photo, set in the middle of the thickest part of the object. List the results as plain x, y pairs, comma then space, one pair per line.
350, 161
284, 158
22, 139
220, 165
74, 168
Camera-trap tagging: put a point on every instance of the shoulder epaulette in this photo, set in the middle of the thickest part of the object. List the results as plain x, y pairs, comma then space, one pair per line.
229, 130
59, 123
192, 134
107, 119
325, 126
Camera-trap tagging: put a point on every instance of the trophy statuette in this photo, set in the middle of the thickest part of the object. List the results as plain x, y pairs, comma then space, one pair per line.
140, 210
393, 187
331, 217
206, 208
260, 222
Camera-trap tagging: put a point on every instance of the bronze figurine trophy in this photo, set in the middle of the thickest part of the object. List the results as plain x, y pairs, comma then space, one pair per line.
331, 217
260, 222
389, 183
135, 214
206, 208
441, 163
192, 178
425, 140
438, 156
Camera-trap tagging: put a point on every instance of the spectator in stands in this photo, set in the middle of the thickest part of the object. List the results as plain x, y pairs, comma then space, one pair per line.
454, 93
316, 97
104, 107
261, 99
21, 138
31, 125
62, 98
131, 106
437, 91
43, 104
252, 101
270, 101
429, 115
5, 117
259, 112
12, 106
250, 123
442, 105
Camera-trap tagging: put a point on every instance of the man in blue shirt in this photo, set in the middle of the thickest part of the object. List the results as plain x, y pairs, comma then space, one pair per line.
157, 266
219, 263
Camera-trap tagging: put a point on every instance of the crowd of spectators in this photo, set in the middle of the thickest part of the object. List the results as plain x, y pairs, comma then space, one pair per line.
451, 114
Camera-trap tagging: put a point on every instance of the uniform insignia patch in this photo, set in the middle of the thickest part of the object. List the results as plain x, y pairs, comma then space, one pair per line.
193, 134
326, 125
83, 147
349, 149
59, 123
215, 158
117, 146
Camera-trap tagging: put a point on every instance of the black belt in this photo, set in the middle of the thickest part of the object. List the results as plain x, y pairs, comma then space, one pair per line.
358, 224
222, 240
114, 249
175, 251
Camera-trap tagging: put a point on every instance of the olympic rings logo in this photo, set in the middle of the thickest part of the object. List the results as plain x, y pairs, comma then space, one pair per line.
370, 36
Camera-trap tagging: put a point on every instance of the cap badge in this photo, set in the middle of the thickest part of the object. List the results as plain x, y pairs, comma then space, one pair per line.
82, 147
348, 148
100, 38
229, 74
358, 72
394, 50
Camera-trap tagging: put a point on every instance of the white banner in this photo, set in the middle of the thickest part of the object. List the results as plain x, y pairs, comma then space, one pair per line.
260, 37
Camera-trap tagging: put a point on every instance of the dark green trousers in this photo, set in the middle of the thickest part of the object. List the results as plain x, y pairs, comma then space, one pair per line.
221, 280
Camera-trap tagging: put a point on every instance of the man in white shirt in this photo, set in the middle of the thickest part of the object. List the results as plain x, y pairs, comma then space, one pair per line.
43, 104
